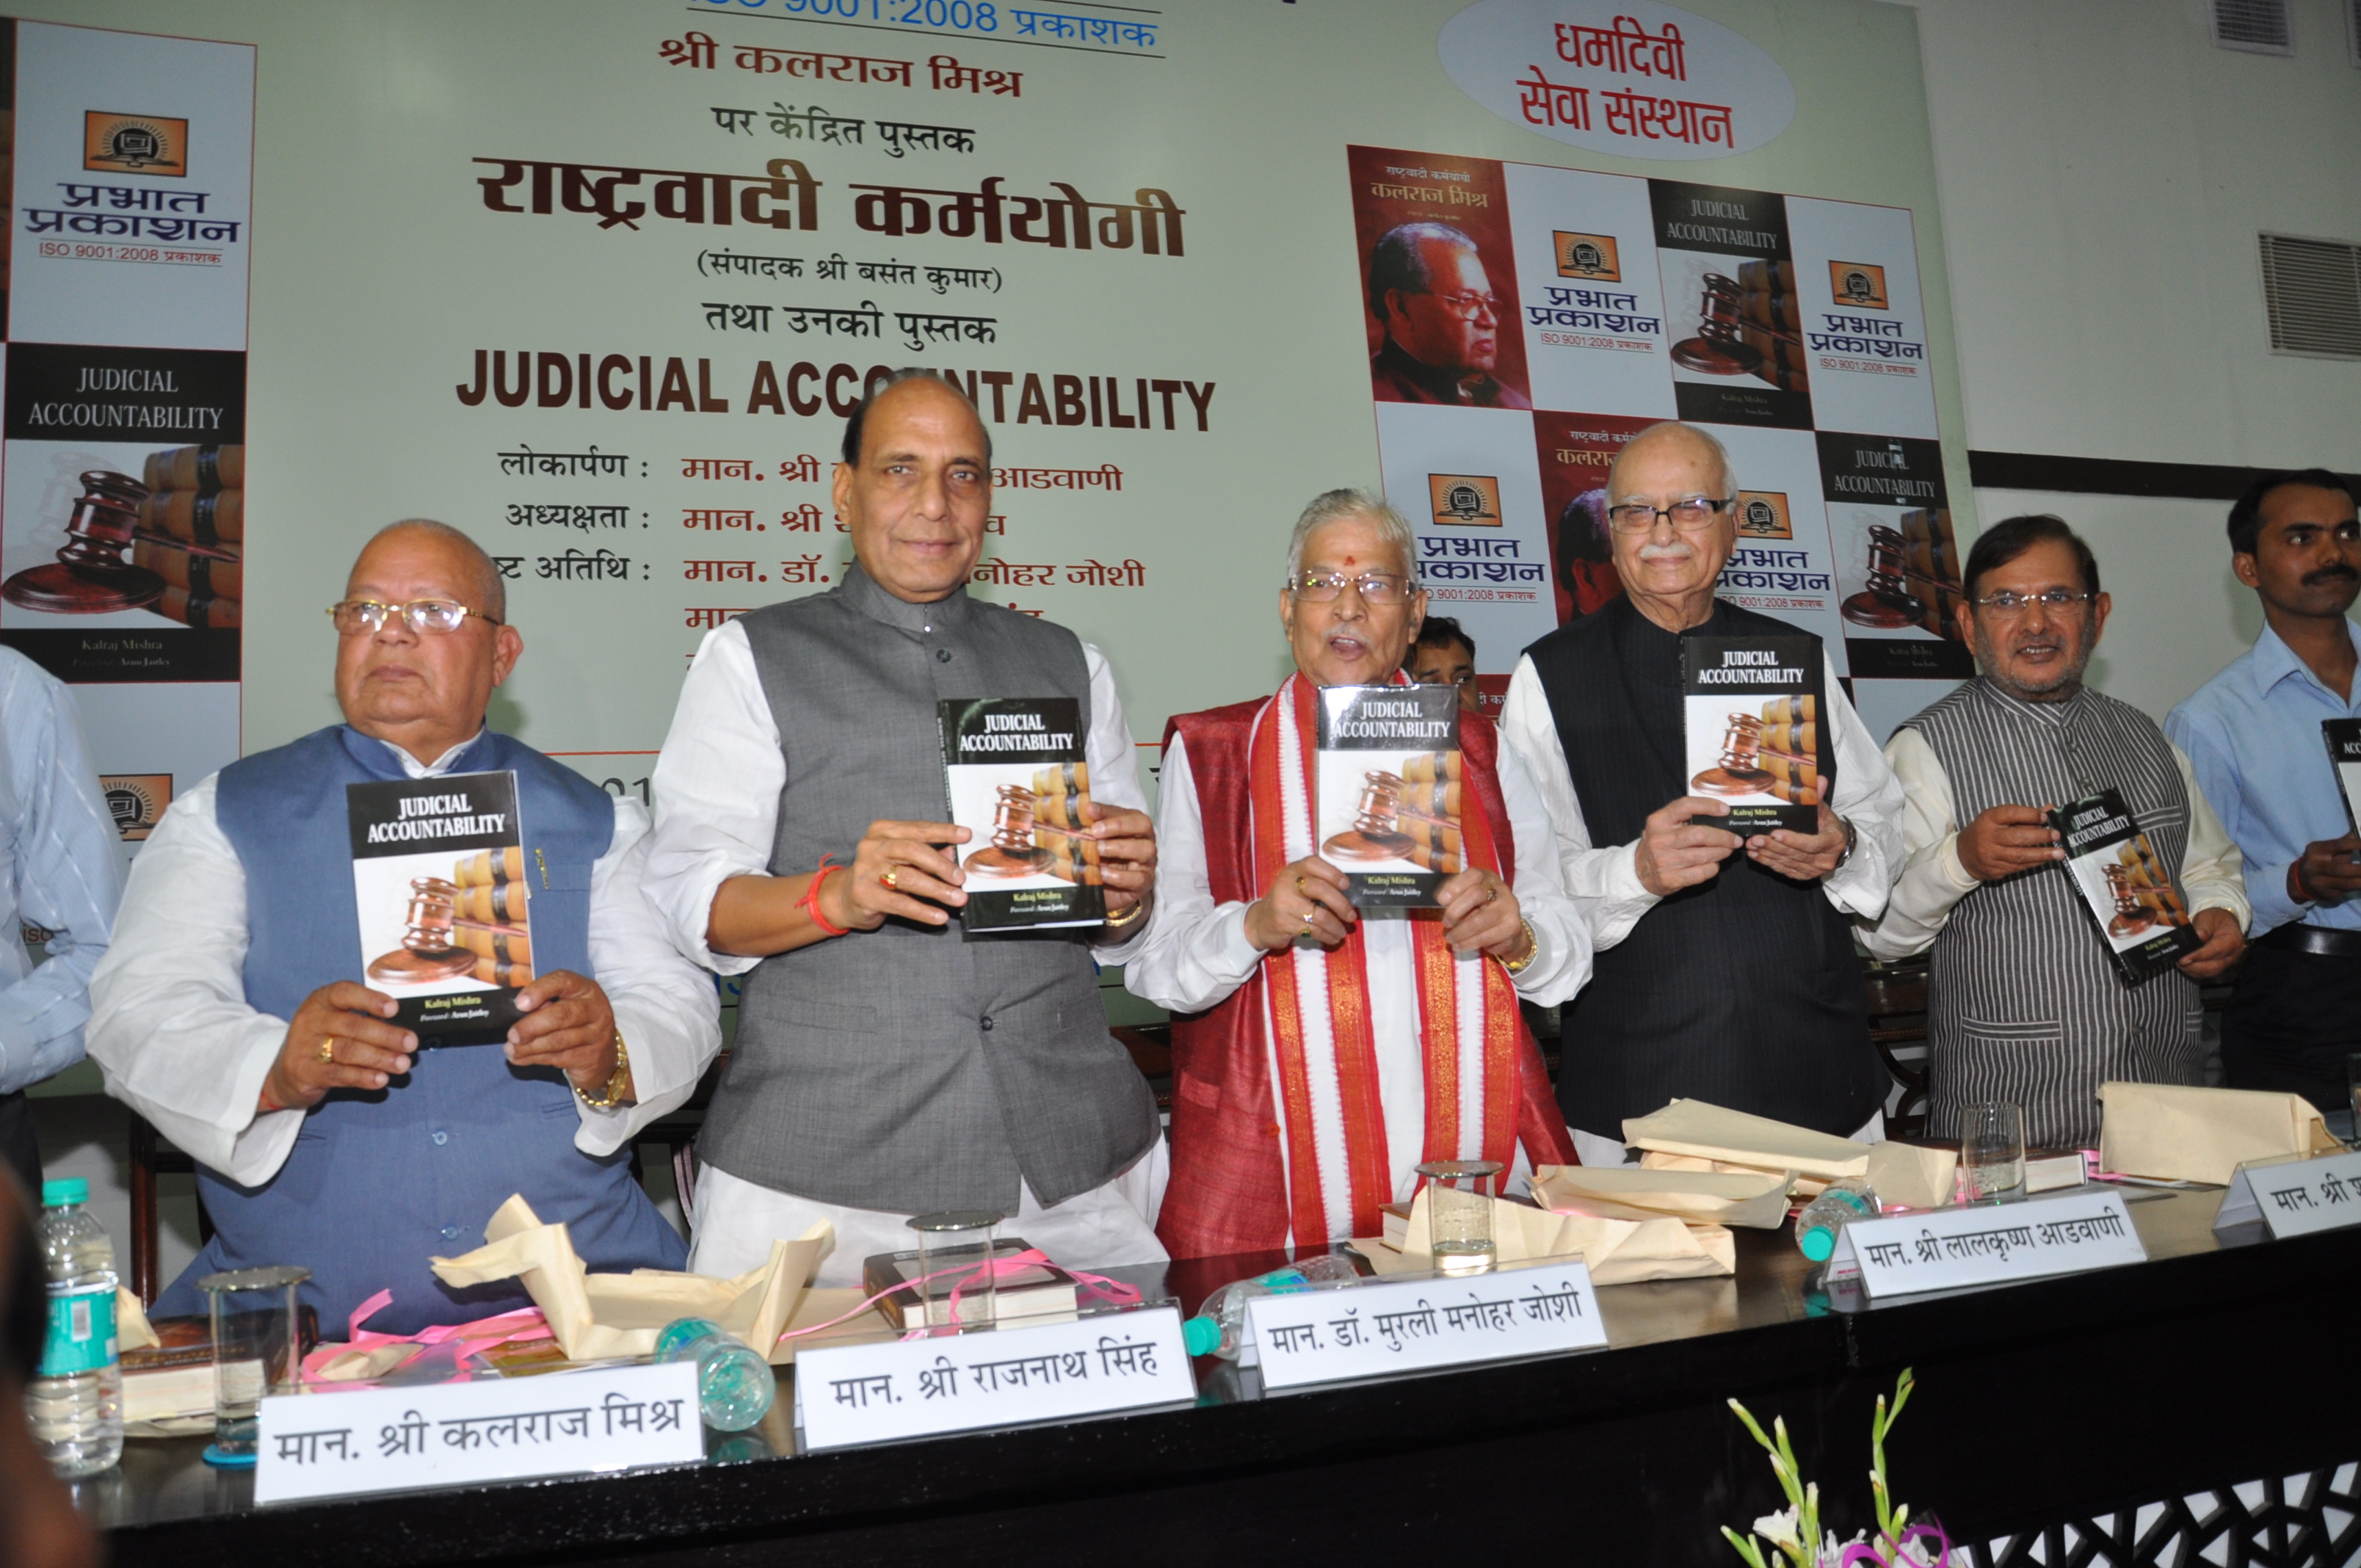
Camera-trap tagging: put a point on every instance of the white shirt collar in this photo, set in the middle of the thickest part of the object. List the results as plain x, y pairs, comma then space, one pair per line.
440, 764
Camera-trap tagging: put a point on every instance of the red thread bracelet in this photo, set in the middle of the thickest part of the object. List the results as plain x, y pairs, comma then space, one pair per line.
810, 900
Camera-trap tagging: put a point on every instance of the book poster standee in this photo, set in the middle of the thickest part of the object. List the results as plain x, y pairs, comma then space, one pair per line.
122, 447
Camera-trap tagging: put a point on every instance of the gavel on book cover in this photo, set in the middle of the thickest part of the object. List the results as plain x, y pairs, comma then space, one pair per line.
1776, 753
1038, 831
1913, 576
471, 923
90, 576
1410, 816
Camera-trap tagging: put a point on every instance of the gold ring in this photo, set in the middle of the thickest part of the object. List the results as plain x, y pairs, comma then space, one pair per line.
1492, 895
328, 1050
888, 879
1300, 891
1306, 923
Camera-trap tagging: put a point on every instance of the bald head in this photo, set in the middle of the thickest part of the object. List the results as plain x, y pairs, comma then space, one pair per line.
486, 592
1672, 437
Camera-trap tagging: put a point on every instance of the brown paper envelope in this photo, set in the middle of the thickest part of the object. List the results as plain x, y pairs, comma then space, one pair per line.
1907, 1173
593, 1316
2173, 1131
1755, 1198
1617, 1252
1713, 1132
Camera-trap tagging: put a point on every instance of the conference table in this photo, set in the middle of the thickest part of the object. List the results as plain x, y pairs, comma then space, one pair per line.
2155, 1413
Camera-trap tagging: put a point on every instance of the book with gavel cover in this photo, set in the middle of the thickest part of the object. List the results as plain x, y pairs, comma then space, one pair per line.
1018, 782
439, 873
1753, 716
1387, 774
2141, 918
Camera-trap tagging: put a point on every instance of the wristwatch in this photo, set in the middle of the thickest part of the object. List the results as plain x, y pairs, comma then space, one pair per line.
1852, 837
618, 1082
1532, 950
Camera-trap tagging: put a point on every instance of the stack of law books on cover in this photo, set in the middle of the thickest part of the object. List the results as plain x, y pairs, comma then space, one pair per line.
192, 532
1770, 321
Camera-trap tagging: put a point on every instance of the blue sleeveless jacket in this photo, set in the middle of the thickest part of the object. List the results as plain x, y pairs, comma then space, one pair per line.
377, 1182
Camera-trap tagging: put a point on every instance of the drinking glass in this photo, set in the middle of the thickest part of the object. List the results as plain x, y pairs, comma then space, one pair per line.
957, 1246
257, 1352
1992, 1152
1459, 1212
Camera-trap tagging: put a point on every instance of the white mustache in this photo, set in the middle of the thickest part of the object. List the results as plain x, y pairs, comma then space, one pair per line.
1667, 552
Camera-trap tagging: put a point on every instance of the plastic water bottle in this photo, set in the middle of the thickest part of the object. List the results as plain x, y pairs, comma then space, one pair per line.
1840, 1204
74, 1404
734, 1384
1220, 1324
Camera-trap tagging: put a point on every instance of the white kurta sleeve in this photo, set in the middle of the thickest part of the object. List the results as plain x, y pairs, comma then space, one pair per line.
1561, 963
716, 785
1195, 951
1931, 881
1868, 795
1113, 761
666, 1006
1604, 883
169, 1026
2213, 871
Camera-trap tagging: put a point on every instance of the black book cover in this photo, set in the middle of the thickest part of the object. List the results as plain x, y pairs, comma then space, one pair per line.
2139, 912
2343, 737
1015, 771
440, 878
1389, 776
1755, 719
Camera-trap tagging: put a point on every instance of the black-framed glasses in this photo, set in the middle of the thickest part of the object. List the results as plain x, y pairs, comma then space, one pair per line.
1691, 516
1375, 588
2009, 602
366, 618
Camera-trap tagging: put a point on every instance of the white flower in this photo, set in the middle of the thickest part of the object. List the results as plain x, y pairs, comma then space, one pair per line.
1779, 1528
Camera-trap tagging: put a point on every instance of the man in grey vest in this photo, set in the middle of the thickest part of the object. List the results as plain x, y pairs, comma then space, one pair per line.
884, 1065
2023, 1004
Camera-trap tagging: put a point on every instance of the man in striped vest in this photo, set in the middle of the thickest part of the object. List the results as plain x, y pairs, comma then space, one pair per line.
2024, 1004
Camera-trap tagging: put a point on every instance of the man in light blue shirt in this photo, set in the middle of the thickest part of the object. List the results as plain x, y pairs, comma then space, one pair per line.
2252, 734
60, 870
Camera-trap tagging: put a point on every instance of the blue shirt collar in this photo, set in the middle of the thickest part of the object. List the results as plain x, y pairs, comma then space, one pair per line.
2273, 661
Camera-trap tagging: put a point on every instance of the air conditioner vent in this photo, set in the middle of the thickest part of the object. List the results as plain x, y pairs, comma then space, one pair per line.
2353, 32
2258, 26
2311, 290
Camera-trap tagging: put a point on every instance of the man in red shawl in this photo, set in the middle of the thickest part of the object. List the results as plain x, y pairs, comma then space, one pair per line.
1319, 1056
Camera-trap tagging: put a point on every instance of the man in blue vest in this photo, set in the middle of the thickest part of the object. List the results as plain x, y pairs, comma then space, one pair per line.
233, 1017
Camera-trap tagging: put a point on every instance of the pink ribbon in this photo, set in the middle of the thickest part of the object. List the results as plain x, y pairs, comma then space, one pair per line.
526, 1322
1113, 1292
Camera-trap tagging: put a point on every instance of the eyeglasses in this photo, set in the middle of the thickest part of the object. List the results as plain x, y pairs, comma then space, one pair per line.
1467, 307
1691, 516
2008, 602
365, 618
1375, 588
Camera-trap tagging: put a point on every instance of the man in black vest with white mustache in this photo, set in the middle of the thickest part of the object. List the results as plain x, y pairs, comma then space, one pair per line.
1725, 968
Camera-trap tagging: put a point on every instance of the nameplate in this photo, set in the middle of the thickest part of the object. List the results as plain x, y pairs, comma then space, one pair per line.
2295, 1198
1003, 1377
449, 1434
1408, 1325
1988, 1245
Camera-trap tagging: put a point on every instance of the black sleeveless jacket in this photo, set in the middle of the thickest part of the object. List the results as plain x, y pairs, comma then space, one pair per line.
1744, 991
